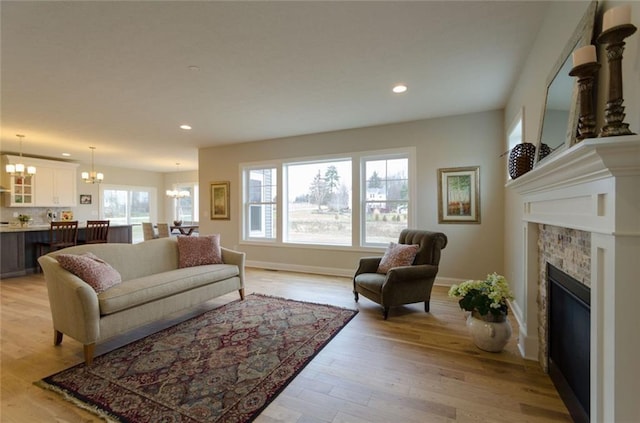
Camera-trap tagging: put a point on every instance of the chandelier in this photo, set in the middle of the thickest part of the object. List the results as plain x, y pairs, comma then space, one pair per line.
19, 168
174, 193
92, 177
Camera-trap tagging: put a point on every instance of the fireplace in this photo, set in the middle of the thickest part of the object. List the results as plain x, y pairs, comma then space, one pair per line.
569, 343
591, 188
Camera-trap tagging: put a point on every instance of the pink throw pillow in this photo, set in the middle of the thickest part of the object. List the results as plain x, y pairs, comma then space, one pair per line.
91, 269
397, 255
199, 250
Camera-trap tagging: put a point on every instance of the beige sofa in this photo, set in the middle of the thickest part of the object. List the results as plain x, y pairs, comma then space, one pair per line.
153, 286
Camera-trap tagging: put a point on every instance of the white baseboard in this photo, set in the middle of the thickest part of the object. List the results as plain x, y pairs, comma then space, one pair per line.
444, 281
527, 345
329, 271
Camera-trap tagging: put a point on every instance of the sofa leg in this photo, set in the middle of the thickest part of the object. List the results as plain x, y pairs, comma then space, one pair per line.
89, 349
426, 306
241, 291
385, 312
57, 337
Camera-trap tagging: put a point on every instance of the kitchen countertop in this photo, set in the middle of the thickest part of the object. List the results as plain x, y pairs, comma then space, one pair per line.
44, 227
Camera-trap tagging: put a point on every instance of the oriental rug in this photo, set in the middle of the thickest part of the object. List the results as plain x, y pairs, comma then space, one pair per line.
225, 365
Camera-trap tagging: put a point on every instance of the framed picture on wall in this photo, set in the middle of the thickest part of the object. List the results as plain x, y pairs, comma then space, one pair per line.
85, 199
459, 195
220, 200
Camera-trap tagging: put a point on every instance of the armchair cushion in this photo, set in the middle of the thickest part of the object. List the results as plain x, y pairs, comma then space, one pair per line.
397, 255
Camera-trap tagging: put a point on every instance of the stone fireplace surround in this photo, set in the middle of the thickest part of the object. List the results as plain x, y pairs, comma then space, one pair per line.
568, 250
593, 188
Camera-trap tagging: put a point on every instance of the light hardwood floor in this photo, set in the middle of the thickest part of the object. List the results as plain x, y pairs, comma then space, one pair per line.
414, 367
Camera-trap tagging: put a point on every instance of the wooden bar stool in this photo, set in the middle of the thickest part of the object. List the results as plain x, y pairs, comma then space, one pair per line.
61, 235
96, 231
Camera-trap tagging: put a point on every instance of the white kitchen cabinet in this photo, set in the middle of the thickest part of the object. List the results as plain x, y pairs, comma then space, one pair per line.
21, 187
21, 191
53, 185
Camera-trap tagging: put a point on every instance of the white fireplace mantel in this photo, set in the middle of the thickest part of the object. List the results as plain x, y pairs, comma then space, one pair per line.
590, 160
593, 186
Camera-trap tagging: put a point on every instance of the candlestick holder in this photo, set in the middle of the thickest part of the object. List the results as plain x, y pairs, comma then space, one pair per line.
614, 111
586, 74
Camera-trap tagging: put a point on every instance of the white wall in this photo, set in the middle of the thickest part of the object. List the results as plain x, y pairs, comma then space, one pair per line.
476, 139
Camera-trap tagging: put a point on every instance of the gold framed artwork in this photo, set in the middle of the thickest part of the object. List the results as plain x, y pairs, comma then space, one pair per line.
459, 195
220, 200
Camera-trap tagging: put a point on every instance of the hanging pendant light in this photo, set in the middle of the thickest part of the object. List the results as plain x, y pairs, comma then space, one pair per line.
92, 177
19, 168
174, 193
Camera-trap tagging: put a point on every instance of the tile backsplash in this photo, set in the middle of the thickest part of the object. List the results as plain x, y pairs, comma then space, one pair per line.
38, 214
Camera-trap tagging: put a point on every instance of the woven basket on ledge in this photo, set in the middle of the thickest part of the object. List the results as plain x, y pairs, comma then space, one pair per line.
521, 159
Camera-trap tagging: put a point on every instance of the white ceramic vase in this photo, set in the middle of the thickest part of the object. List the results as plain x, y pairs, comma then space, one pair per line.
490, 333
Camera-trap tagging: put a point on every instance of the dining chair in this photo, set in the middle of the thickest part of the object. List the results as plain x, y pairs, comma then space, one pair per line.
163, 230
61, 235
148, 232
96, 231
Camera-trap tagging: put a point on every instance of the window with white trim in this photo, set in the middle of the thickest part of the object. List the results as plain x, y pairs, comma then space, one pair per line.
129, 206
318, 208
319, 205
186, 208
385, 198
260, 211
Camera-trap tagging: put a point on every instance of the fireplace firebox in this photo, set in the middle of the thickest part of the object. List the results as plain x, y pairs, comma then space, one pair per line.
569, 333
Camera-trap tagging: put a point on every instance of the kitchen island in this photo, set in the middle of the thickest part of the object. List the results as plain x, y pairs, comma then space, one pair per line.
18, 246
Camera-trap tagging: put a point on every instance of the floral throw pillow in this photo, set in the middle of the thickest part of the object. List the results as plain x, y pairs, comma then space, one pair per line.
199, 250
397, 255
91, 269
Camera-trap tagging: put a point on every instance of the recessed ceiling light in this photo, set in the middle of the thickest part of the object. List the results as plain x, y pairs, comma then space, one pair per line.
185, 127
400, 88
66, 154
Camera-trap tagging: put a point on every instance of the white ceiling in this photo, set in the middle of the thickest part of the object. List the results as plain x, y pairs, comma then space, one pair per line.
116, 75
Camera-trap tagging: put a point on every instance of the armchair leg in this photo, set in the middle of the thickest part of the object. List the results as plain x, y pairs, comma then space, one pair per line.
426, 306
385, 312
355, 295
57, 337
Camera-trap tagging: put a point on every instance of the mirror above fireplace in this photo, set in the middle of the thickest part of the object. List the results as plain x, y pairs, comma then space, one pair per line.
560, 114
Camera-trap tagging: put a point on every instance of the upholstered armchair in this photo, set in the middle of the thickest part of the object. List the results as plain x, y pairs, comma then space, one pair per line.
404, 284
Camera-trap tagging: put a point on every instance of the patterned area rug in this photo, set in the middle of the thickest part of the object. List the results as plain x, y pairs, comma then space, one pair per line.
225, 365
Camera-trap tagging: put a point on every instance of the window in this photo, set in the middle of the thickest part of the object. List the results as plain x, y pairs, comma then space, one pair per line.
261, 187
186, 208
358, 198
318, 209
129, 206
385, 204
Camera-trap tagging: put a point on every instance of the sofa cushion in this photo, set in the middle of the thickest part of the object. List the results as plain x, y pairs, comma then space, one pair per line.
91, 269
199, 250
397, 255
149, 288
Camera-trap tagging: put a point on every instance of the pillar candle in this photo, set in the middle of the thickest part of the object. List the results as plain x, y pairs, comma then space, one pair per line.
616, 16
586, 54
